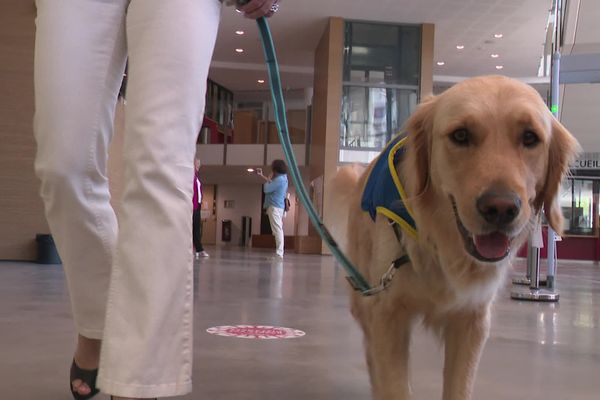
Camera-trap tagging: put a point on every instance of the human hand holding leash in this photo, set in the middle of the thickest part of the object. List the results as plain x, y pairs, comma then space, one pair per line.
255, 9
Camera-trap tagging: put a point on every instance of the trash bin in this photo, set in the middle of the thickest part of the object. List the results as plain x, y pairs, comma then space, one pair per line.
226, 230
246, 231
46, 250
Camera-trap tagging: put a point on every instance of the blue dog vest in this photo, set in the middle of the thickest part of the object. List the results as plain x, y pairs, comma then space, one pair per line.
384, 193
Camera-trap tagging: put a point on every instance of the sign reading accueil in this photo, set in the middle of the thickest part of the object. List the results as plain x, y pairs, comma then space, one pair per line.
587, 161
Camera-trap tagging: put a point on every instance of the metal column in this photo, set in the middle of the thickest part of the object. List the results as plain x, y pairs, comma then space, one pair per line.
533, 253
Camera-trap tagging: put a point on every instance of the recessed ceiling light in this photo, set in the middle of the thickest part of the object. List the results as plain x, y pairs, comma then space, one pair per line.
499, 66
494, 55
261, 81
239, 32
498, 35
239, 50
460, 46
440, 63
250, 170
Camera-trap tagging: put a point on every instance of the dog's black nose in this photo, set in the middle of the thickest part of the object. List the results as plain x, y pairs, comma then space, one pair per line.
499, 208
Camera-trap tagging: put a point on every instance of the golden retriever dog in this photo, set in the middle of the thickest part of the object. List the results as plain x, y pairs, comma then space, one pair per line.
481, 161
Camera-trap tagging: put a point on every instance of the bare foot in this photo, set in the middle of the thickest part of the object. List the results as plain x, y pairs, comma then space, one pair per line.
87, 356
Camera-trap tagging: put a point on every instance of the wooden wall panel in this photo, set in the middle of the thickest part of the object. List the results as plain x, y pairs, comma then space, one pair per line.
244, 123
427, 38
319, 111
327, 108
21, 209
334, 112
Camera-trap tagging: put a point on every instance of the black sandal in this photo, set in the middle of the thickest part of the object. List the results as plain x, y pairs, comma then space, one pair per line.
86, 376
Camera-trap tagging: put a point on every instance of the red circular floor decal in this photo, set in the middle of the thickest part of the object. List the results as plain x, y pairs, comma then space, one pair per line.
256, 332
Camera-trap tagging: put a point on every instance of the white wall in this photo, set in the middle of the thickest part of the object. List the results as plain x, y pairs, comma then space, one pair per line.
579, 114
579, 108
210, 154
275, 152
245, 154
246, 202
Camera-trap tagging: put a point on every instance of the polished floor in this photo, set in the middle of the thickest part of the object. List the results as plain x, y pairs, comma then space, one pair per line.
536, 351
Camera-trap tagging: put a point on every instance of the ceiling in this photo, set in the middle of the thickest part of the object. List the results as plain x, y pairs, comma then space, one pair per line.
299, 24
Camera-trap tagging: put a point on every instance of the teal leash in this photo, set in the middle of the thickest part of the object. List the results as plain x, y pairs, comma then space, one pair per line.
357, 281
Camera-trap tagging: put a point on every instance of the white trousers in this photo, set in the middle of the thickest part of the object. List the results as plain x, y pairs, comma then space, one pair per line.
276, 219
131, 284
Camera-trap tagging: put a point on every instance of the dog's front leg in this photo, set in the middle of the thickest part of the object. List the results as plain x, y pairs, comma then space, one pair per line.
387, 352
465, 335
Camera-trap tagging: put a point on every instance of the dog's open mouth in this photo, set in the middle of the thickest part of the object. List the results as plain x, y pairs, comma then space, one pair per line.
489, 247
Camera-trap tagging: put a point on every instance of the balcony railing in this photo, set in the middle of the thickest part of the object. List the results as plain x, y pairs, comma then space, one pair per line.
251, 141
246, 154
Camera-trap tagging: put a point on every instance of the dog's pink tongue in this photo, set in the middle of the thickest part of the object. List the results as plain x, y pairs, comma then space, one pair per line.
493, 245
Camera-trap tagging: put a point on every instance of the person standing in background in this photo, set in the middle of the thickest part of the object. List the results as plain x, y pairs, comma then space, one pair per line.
197, 215
275, 189
131, 283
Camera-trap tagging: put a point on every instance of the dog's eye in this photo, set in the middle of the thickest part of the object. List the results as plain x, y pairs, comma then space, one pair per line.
460, 137
530, 139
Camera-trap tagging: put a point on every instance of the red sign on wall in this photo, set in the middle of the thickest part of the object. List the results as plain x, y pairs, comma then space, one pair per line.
256, 332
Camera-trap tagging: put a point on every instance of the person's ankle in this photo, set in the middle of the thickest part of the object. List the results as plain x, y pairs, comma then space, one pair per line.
87, 353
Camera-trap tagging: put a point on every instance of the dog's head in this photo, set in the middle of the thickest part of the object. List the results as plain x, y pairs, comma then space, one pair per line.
489, 152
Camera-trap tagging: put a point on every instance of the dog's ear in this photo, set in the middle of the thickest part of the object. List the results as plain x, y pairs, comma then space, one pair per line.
562, 152
418, 128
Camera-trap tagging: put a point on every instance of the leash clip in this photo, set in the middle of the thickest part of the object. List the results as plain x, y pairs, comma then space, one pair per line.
384, 282
386, 279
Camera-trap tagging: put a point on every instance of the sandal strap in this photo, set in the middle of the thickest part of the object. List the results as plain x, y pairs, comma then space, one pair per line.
87, 376
112, 398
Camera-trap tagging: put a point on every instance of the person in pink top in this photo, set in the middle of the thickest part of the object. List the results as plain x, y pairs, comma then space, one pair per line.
197, 217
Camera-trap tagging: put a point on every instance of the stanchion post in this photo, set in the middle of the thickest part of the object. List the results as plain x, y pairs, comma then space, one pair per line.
550, 278
555, 97
526, 281
535, 269
533, 263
